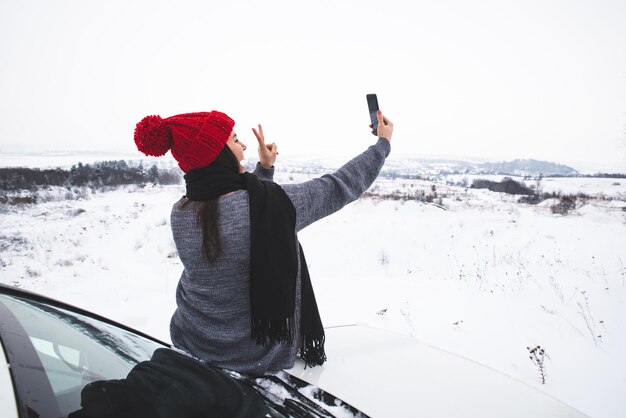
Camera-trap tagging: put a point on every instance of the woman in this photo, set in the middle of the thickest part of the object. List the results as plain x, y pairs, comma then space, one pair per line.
244, 299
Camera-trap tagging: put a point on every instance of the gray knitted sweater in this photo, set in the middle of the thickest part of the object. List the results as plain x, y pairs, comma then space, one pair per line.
212, 319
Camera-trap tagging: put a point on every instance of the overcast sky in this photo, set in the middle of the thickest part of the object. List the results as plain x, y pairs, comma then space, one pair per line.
494, 80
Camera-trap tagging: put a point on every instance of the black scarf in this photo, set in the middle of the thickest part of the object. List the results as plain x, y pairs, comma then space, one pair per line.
274, 260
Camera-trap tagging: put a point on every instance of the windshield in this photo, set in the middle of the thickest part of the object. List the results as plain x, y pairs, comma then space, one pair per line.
55, 353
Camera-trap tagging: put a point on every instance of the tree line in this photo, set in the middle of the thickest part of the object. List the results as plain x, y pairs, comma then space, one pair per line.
96, 175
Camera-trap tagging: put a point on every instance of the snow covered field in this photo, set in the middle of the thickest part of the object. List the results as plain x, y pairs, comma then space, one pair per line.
478, 275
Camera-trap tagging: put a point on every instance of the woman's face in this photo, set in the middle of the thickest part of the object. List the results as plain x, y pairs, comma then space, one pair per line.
237, 147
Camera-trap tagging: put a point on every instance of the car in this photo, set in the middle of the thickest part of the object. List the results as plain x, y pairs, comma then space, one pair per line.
58, 360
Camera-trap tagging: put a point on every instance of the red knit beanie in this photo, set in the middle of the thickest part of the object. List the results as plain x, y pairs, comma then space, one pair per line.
194, 138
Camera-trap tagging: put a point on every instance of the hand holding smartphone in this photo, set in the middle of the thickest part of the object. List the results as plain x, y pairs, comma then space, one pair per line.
384, 131
372, 104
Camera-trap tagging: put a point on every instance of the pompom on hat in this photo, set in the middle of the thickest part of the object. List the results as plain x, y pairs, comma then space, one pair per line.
195, 139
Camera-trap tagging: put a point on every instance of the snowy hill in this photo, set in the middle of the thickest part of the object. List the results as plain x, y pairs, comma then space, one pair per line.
403, 166
528, 168
416, 167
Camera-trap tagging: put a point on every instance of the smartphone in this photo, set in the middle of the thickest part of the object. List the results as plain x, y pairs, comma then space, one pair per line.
372, 104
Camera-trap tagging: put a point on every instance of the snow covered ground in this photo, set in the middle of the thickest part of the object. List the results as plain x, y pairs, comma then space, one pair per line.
478, 274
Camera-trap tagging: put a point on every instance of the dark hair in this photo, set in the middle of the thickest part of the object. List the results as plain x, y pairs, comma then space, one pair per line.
206, 215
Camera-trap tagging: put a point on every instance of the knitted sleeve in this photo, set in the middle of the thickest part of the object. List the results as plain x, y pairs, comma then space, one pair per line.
325, 195
263, 173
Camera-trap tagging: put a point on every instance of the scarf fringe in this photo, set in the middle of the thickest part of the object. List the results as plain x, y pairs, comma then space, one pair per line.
312, 351
278, 331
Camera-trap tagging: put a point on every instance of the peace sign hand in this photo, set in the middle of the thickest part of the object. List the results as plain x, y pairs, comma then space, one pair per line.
267, 153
